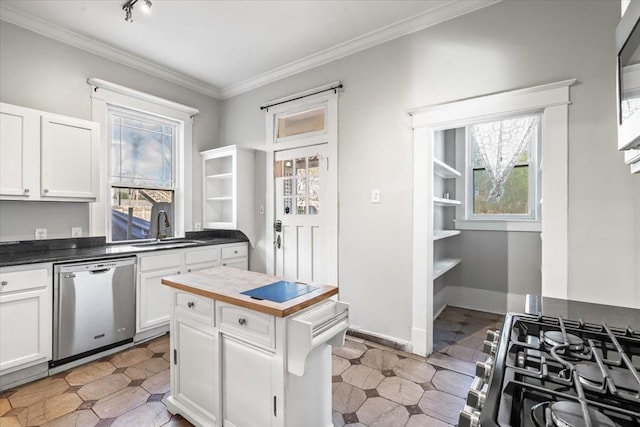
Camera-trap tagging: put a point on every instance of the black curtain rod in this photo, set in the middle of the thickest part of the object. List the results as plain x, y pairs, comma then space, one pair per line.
333, 88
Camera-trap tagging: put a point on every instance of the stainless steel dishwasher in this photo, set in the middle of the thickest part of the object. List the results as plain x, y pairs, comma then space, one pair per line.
94, 307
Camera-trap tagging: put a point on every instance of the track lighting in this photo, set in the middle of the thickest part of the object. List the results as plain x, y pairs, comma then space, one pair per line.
128, 8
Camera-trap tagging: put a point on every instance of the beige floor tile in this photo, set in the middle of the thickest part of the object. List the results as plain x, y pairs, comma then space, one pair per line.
38, 391
131, 357
350, 350
86, 374
346, 398
446, 325
448, 362
452, 382
379, 359
10, 422
451, 316
159, 383
151, 414
104, 387
362, 377
475, 341
47, 410
5, 406
338, 365
423, 420
337, 419
379, 412
414, 370
160, 345
120, 402
83, 418
465, 353
181, 422
400, 390
147, 368
443, 406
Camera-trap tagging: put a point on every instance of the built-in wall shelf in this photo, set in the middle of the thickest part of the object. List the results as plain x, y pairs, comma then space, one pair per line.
444, 170
443, 234
445, 202
443, 265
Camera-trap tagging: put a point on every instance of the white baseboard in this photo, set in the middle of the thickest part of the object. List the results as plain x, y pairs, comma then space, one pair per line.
483, 300
419, 341
387, 340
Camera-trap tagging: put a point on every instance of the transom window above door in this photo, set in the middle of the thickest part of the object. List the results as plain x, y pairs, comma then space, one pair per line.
300, 184
303, 122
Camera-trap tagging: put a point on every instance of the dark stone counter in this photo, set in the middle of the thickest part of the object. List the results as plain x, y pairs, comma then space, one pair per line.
88, 248
591, 313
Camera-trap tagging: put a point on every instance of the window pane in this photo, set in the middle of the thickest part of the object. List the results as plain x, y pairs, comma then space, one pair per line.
301, 203
299, 123
514, 200
135, 211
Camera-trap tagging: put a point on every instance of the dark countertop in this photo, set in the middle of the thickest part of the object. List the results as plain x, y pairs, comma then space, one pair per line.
88, 248
613, 316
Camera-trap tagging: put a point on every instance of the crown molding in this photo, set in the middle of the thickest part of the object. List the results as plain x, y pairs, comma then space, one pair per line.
366, 41
60, 34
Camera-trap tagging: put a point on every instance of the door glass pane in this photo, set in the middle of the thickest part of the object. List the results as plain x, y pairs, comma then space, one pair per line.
301, 166
299, 123
301, 203
314, 165
301, 187
288, 168
287, 187
287, 205
314, 206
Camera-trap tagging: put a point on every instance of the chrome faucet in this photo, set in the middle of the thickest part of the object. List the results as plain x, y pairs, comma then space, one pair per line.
159, 234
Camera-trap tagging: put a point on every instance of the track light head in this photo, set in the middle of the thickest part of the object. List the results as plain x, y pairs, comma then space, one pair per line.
146, 6
128, 8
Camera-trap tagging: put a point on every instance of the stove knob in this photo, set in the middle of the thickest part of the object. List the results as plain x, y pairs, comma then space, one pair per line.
493, 335
483, 369
490, 348
476, 398
469, 417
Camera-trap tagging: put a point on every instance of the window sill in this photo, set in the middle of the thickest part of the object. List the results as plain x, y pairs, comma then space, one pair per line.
498, 225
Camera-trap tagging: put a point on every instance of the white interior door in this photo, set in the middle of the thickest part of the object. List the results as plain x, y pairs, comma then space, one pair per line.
300, 206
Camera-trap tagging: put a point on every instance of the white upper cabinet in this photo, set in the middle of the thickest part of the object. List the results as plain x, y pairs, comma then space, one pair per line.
47, 157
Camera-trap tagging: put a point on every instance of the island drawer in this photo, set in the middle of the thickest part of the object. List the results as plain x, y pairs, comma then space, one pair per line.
200, 307
257, 328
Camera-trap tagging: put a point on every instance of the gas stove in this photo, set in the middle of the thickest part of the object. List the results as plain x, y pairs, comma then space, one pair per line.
553, 372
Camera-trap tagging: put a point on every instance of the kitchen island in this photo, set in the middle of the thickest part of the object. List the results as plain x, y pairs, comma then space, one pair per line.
242, 361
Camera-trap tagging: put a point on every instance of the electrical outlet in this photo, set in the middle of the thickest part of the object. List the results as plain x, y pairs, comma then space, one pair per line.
76, 231
198, 226
41, 233
375, 196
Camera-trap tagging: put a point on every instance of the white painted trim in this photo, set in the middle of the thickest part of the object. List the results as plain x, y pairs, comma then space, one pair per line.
492, 225
403, 343
113, 87
484, 300
71, 38
401, 28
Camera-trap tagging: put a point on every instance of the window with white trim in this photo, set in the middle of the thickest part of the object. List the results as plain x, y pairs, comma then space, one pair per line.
502, 169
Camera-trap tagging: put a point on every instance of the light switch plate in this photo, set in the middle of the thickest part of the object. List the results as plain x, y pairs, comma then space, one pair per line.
76, 231
198, 226
41, 233
375, 196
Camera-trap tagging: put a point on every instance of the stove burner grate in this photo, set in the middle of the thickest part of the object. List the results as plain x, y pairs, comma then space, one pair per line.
556, 339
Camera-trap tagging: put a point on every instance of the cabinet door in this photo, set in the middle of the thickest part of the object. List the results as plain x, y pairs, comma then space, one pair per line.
25, 329
19, 158
69, 156
194, 383
247, 398
154, 299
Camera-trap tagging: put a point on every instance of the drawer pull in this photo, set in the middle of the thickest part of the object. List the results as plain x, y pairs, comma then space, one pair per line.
242, 321
45, 191
4, 283
26, 191
191, 304
235, 252
188, 270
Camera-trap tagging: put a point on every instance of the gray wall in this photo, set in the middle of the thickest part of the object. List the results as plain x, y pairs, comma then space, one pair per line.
509, 45
41, 73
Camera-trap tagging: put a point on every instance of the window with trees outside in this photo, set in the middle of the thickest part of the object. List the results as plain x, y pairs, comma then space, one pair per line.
503, 172
142, 175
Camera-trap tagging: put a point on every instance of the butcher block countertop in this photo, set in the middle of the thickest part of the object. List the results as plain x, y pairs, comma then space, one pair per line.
227, 284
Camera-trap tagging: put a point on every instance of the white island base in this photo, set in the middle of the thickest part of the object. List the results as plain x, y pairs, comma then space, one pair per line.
235, 365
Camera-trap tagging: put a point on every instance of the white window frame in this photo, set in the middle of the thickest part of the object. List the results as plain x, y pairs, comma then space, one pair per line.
513, 221
105, 94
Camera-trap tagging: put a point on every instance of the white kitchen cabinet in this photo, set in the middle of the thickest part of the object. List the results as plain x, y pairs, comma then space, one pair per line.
246, 388
228, 189
47, 156
26, 301
201, 258
235, 255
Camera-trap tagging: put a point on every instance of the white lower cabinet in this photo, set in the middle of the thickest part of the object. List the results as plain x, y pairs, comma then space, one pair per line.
246, 389
26, 300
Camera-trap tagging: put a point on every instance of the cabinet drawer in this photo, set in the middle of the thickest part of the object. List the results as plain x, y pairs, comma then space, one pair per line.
257, 328
198, 306
153, 262
18, 280
234, 251
202, 256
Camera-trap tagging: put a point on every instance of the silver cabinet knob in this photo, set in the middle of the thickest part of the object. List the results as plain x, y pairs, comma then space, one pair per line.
4, 283
469, 418
26, 191
242, 321
45, 191
191, 304
235, 252
188, 270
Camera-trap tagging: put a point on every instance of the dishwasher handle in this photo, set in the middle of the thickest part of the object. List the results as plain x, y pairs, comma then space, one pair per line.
99, 271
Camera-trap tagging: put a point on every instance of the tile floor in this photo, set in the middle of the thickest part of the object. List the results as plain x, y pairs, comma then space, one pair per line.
373, 385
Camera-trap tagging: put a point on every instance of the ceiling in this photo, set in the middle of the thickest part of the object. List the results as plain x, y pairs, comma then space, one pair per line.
223, 48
